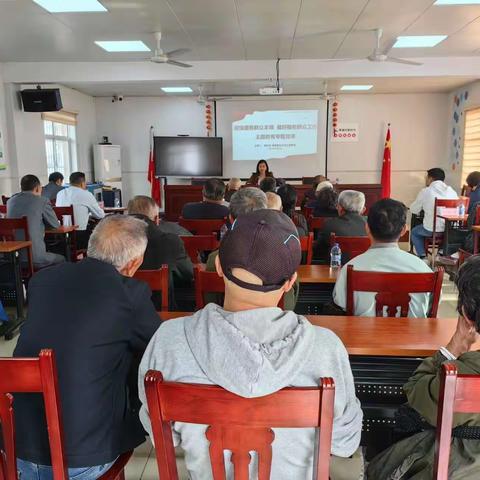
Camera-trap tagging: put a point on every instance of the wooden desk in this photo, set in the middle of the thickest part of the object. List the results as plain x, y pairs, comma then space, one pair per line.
115, 209
453, 222
384, 337
317, 274
11, 250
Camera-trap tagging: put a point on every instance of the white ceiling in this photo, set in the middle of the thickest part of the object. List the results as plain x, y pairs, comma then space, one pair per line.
291, 87
234, 29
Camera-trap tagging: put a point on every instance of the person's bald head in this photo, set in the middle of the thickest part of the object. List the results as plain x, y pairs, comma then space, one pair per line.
119, 240
274, 202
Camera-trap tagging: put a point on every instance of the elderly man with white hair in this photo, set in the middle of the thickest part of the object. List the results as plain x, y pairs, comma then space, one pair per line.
349, 223
98, 321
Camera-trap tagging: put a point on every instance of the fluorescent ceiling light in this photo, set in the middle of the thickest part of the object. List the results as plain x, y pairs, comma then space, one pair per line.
57, 6
358, 88
419, 41
123, 46
457, 2
177, 89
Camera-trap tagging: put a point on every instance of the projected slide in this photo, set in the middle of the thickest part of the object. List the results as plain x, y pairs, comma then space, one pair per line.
275, 134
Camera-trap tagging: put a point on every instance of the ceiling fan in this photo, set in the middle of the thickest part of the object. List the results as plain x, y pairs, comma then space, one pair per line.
203, 99
168, 57
378, 54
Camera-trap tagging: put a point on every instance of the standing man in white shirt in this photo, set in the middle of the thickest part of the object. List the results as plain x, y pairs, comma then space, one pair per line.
84, 205
436, 188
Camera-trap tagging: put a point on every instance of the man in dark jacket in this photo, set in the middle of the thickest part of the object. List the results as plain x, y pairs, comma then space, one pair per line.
349, 223
211, 207
55, 184
98, 321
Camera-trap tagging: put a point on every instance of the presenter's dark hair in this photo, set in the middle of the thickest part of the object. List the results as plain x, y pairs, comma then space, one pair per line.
259, 163
386, 219
268, 184
327, 198
214, 189
28, 183
55, 176
76, 178
288, 194
473, 179
436, 174
468, 284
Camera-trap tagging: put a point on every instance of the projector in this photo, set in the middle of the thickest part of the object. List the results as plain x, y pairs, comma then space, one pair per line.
270, 91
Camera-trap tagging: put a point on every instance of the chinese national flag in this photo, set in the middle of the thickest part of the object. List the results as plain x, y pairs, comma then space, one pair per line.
386, 167
154, 181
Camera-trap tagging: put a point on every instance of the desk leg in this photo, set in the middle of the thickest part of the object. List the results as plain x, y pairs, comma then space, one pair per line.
15, 323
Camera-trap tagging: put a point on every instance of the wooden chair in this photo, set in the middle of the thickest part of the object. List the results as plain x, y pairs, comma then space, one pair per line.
306, 244
393, 289
157, 281
9, 227
238, 424
60, 212
5, 199
3, 211
210, 282
458, 393
38, 375
316, 223
196, 244
351, 246
202, 227
434, 242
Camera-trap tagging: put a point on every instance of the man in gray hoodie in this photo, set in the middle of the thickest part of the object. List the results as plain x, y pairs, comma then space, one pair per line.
252, 348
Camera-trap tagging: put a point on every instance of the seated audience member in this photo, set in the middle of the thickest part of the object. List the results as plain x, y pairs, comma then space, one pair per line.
162, 248
97, 320
233, 186
262, 171
39, 212
325, 202
252, 348
310, 194
288, 194
349, 223
84, 206
436, 188
55, 185
274, 202
413, 457
268, 184
473, 182
211, 207
386, 224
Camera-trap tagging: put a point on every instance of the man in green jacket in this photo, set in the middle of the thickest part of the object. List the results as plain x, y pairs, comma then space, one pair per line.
413, 457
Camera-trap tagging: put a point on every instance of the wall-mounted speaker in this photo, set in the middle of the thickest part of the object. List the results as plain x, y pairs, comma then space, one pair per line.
41, 100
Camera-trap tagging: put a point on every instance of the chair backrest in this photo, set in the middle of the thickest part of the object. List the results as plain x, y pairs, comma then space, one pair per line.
306, 244
393, 289
238, 424
448, 203
458, 393
202, 227
316, 223
196, 244
5, 199
3, 211
157, 281
28, 375
210, 282
351, 246
61, 211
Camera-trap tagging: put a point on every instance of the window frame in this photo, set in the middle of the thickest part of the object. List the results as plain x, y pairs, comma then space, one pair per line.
71, 142
465, 171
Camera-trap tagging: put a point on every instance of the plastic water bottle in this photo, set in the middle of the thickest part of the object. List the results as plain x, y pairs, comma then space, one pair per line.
335, 256
461, 210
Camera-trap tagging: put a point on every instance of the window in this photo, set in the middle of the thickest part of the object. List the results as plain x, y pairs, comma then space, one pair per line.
471, 143
60, 142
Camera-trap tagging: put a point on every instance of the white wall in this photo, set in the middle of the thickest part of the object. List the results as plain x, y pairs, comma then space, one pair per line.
26, 135
128, 124
419, 124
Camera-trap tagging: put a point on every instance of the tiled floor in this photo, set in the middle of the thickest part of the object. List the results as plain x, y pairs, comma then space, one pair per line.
143, 466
